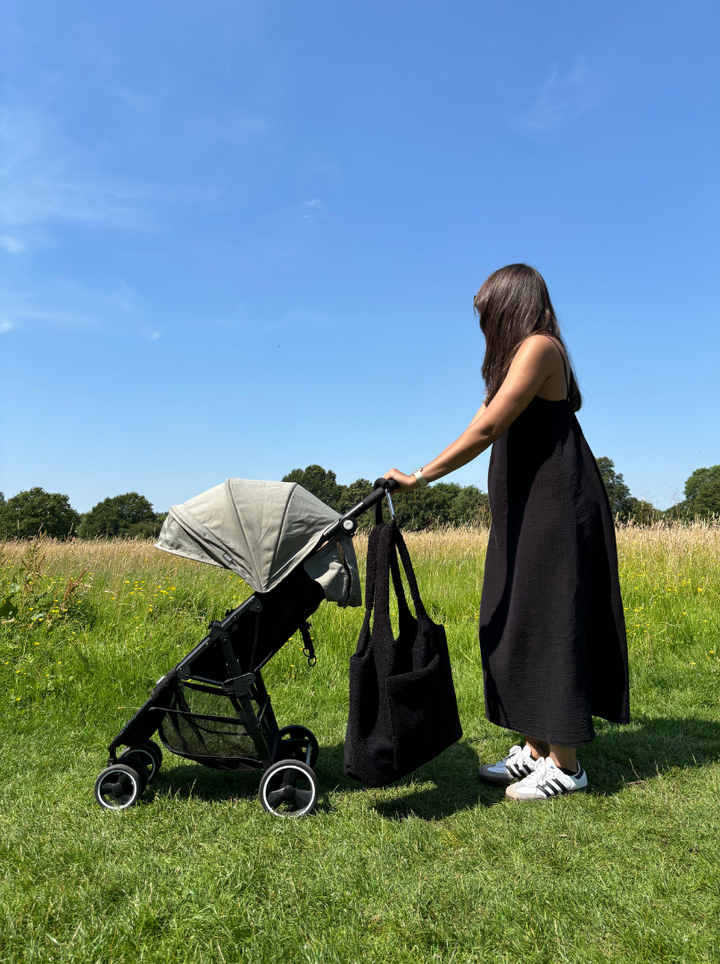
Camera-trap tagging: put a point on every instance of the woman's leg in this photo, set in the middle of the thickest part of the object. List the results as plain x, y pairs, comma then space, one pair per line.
538, 748
564, 757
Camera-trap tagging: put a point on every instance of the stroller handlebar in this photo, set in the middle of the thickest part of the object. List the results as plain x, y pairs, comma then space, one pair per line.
347, 524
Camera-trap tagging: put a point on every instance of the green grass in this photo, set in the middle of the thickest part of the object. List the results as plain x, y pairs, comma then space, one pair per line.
436, 868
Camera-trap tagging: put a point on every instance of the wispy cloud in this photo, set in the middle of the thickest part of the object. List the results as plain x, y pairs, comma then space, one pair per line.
561, 99
219, 124
12, 245
139, 102
22, 310
48, 179
313, 210
45, 178
74, 308
239, 126
122, 299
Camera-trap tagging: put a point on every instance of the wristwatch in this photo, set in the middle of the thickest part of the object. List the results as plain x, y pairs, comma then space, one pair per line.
421, 480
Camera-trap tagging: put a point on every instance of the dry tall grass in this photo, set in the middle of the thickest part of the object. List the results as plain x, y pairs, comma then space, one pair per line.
677, 544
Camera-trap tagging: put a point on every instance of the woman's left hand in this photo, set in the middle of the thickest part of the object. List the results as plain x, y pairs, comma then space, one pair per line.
406, 483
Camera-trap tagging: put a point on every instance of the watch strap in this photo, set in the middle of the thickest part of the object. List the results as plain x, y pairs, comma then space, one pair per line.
421, 480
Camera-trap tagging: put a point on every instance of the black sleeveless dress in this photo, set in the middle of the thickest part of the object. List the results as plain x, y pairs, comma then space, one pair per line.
552, 629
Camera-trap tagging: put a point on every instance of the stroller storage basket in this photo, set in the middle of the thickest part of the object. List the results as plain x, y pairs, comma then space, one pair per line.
196, 726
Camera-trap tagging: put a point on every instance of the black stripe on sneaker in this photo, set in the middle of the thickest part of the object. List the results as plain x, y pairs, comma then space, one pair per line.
526, 769
513, 770
556, 783
547, 790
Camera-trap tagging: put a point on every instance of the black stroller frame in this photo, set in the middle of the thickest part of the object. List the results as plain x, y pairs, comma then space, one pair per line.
225, 667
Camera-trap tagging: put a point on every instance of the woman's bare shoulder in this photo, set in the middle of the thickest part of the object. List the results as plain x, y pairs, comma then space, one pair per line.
539, 344
546, 355
538, 351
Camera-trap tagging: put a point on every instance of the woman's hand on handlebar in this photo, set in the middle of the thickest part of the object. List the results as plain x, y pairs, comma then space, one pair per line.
406, 483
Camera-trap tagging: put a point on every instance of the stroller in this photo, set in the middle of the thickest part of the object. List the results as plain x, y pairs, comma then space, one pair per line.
293, 551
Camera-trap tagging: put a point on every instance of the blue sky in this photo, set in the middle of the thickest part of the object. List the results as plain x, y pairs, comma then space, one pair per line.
238, 238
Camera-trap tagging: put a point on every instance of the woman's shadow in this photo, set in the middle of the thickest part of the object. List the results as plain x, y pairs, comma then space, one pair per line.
620, 757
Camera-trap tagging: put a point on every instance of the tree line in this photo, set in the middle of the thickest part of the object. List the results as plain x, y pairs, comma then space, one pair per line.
128, 516
132, 516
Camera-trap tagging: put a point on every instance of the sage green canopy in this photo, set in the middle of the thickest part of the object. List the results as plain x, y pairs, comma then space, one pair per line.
262, 531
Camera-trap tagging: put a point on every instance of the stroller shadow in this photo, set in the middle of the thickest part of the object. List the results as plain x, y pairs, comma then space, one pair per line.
620, 756
190, 779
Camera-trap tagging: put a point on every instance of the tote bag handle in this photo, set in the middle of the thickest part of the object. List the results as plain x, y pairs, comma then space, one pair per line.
381, 562
390, 548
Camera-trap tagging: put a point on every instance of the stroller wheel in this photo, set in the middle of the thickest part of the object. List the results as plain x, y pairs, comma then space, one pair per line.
118, 787
294, 741
142, 761
289, 789
149, 755
152, 747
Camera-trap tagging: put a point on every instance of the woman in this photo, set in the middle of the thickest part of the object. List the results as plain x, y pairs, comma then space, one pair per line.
552, 631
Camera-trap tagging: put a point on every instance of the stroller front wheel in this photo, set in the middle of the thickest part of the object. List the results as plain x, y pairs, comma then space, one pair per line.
289, 788
118, 787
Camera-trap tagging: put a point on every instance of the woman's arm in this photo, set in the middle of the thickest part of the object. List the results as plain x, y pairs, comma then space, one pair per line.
534, 362
478, 413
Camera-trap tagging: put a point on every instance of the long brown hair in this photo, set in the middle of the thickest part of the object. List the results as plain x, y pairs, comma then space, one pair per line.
512, 304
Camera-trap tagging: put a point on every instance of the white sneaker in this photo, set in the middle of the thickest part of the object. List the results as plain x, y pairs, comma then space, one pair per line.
517, 764
547, 781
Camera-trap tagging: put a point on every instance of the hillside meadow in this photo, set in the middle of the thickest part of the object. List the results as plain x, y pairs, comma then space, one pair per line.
438, 867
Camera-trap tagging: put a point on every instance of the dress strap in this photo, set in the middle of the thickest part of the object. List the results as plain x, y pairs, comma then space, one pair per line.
567, 380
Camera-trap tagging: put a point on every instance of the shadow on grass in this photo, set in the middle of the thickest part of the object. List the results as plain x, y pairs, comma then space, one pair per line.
453, 775
621, 756
189, 779
649, 746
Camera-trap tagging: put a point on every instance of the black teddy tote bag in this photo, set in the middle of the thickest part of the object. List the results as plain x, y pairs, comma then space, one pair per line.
403, 710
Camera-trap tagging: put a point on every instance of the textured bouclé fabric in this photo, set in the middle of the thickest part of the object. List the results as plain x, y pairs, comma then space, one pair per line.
552, 630
403, 710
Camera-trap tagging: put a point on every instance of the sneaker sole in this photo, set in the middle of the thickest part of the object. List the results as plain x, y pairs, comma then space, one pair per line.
565, 793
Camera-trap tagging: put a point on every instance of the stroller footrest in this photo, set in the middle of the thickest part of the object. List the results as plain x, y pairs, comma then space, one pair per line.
240, 685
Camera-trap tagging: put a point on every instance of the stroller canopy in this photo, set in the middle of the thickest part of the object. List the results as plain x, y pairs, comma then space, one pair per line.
262, 531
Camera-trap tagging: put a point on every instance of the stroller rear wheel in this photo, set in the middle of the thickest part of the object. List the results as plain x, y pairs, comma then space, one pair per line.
153, 748
140, 761
118, 787
294, 742
148, 754
289, 788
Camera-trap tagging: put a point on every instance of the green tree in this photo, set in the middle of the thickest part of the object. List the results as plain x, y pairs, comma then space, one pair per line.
320, 482
702, 492
644, 513
353, 493
427, 508
621, 502
471, 507
444, 503
125, 515
34, 511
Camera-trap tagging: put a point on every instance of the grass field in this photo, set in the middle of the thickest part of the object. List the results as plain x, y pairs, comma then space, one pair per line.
436, 868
